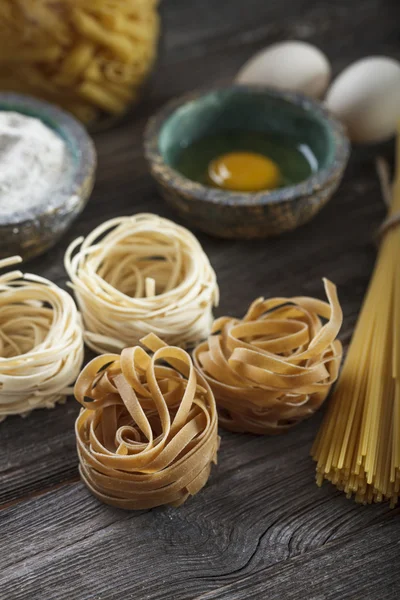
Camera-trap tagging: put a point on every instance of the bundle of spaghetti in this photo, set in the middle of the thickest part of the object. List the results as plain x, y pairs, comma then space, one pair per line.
358, 445
136, 275
89, 56
147, 432
274, 367
41, 342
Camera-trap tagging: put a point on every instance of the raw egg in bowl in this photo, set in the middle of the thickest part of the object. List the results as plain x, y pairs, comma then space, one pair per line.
246, 161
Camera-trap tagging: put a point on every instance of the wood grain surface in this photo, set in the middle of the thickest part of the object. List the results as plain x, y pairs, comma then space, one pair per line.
261, 528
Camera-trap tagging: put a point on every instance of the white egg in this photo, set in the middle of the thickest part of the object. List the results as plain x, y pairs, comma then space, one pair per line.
366, 97
293, 66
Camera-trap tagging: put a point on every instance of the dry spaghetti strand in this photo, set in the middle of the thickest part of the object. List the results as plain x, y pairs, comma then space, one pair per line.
147, 432
274, 367
41, 342
358, 445
142, 274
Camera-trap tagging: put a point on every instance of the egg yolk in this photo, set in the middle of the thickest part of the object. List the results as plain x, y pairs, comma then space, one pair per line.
244, 172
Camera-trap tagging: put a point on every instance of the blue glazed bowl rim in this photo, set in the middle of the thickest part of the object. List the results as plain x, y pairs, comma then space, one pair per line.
172, 178
71, 130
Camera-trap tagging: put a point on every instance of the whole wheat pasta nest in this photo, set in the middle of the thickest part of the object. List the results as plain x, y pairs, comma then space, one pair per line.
274, 367
147, 432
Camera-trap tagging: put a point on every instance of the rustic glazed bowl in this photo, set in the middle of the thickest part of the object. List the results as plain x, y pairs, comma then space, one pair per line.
235, 214
33, 230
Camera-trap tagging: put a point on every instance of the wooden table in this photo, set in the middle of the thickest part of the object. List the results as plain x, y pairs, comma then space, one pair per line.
261, 528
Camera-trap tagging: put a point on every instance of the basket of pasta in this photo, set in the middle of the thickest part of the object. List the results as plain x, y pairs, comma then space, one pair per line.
91, 57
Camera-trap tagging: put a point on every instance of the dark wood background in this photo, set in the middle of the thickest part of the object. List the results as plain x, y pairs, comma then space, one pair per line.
261, 528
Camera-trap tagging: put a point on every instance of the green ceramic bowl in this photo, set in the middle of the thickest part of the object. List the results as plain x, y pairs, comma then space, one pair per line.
236, 214
32, 231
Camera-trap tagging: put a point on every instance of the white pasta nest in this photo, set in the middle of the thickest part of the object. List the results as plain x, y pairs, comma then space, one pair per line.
138, 275
41, 342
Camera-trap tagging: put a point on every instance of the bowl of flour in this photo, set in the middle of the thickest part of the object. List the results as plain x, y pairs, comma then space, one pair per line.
47, 171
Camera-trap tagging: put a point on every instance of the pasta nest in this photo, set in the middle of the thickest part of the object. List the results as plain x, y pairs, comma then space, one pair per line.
41, 342
274, 367
147, 433
142, 274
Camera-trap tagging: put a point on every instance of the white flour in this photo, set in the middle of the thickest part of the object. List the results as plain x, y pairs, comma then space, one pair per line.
32, 161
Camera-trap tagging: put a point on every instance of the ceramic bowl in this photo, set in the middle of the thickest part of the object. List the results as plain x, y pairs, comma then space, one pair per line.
32, 231
245, 215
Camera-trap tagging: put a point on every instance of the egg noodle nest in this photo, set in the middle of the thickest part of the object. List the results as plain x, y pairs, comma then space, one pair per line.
41, 342
147, 432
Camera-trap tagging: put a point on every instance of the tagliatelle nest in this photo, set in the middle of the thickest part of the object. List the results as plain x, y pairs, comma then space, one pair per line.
138, 275
41, 342
276, 366
147, 433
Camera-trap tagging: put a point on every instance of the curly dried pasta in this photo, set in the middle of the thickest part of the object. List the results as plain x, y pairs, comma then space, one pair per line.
91, 57
136, 275
41, 342
274, 367
147, 432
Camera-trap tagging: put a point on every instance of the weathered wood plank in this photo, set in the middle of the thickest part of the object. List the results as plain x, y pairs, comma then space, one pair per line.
260, 507
195, 27
360, 567
37, 452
